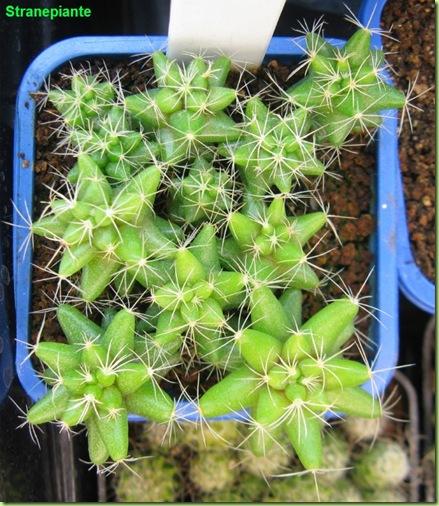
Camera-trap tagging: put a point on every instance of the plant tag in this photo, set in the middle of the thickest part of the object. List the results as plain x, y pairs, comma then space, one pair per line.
240, 29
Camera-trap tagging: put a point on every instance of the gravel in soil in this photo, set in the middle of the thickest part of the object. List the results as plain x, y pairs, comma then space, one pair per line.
412, 57
349, 196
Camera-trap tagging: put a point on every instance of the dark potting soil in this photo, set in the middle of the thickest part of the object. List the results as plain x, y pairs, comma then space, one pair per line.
348, 195
413, 60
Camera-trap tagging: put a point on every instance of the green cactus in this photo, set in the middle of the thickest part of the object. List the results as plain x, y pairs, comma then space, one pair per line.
363, 429
269, 246
197, 294
303, 489
248, 489
384, 466
148, 480
213, 471
299, 489
160, 437
335, 457
186, 111
345, 88
344, 491
385, 496
292, 378
88, 99
205, 193
98, 381
95, 228
115, 145
224, 496
275, 461
274, 150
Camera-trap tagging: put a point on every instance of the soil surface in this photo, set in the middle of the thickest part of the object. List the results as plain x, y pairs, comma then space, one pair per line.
349, 196
412, 57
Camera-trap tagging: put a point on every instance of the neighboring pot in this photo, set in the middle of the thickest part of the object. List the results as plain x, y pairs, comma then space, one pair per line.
413, 282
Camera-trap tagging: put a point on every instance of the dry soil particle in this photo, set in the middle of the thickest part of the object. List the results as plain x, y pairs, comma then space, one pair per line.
413, 59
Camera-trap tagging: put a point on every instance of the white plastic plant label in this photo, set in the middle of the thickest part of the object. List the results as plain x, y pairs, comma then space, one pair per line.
240, 29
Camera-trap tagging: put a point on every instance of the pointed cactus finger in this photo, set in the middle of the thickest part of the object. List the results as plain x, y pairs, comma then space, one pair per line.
50, 407
233, 393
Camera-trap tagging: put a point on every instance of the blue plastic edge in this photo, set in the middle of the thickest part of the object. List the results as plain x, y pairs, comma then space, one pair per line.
385, 333
412, 281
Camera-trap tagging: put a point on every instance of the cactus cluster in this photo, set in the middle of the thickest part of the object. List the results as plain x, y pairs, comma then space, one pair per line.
345, 89
97, 379
184, 192
218, 473
291, 379
185, 112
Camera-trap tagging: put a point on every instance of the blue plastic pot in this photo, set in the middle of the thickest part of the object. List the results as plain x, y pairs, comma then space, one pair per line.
385, 283
412, 281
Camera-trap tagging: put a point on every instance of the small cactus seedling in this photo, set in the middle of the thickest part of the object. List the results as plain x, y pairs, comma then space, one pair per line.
87, 100
290, 380
249, 488
300, 489
270, 245
385, 496
197, 293
97, 125
362, 429
98, 381
274, 150
186, 110
160, 437
335, 457
384, 466
345, 89
99, 228
215, 435
304, 489
119, 150
344, 491
275, 461
204, 194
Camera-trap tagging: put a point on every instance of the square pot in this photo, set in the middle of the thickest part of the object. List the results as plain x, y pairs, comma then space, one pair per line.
384, 207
